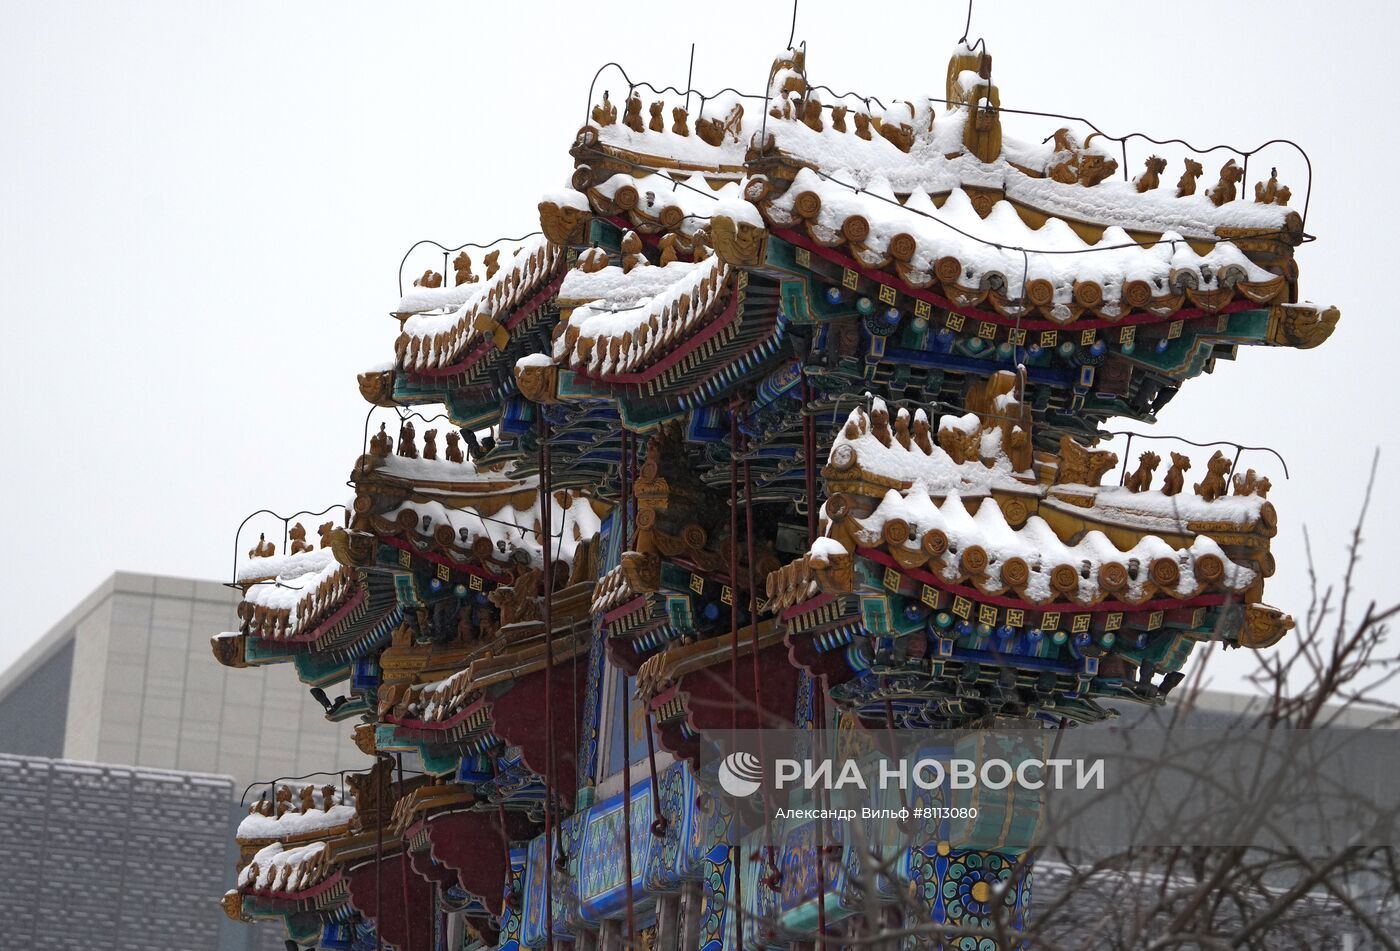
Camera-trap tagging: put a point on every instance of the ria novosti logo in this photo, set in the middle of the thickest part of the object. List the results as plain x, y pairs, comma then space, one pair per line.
740, 774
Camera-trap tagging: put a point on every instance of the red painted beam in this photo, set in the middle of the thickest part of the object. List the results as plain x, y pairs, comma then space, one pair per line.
402, 913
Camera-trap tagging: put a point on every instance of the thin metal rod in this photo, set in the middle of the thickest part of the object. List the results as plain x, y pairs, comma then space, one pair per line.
626, 475
403, 868
736, 862
550, 820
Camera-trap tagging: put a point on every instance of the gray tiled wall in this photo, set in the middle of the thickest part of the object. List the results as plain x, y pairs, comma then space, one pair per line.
110, 856
144, 689
130, 857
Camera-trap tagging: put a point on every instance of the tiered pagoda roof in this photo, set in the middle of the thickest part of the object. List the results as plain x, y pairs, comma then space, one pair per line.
816, 390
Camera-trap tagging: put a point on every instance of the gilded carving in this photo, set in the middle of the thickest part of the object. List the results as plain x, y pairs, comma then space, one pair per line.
263, 549
738, 243
562, 224
1176, 475
454, 447
297, 534
1224, 190
1301, 325
462, 267
1271, 192
232, 904
377, 387
1075, 164
605, 113
714, 131
1213, 486
407, 447
1186, 185
381, 444
632, 116
1152, 176
1080, 466
538, 384
1141, 479
1250, 483
1263, 626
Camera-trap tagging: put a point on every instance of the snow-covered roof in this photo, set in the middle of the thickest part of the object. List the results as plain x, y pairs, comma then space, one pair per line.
287, 597
956, 244
306, 814
951, 526
803, 131
1036, 225
278, 869
506, 535
632, 316
1030, 533
463, 315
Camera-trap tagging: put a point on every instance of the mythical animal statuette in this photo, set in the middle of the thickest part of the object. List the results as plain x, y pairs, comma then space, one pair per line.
1152, 175
838, 118
961, 445
430, 278
1250, 483
668, 247
713, 131
1271, 192
1186, 185
680, 124
520, 601
380, 444
326, 530
307, 797
430, 444
1080, 466
1224, 190
298, 537
657, 124
1077, 165
263, 549
632, 256
407, 448
493, 263
592, 260
862, 126
898, 131
1176, 475
1141, 479
462, 264
812, 114
632, 117
454, 447
605, 113
1213, 485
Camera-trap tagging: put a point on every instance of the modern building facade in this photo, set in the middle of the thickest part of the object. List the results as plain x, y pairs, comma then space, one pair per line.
127, 677
125, 749
115, 857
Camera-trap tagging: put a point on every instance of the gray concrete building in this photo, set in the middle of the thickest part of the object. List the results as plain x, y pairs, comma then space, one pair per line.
126, 734
115, 857
127, 677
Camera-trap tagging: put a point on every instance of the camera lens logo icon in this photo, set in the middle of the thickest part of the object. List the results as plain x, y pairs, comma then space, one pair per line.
740, 774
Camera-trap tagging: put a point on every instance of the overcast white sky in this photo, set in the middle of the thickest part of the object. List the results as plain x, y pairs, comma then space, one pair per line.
203, 207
